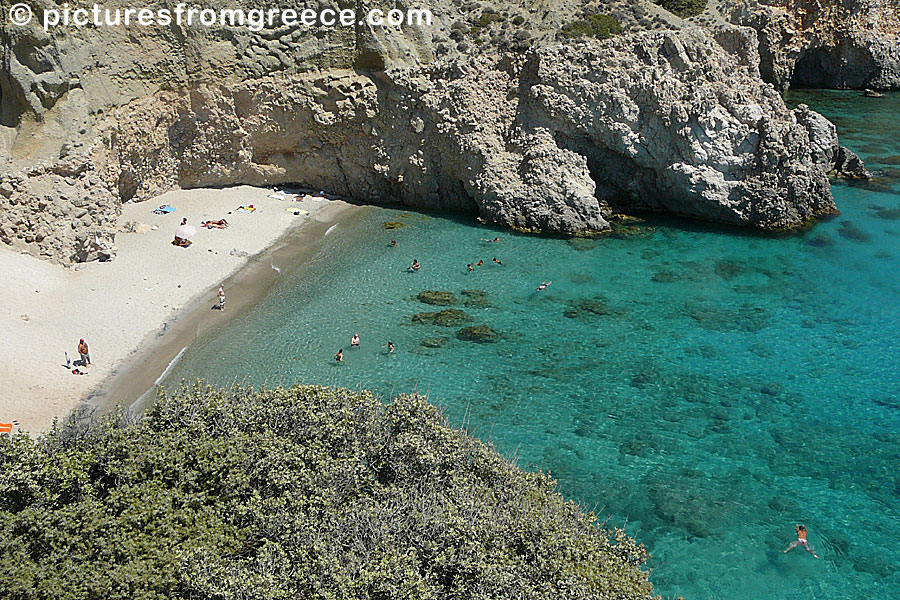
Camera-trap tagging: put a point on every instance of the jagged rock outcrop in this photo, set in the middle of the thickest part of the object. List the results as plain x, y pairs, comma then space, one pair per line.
827, 151
490, 111
823, 44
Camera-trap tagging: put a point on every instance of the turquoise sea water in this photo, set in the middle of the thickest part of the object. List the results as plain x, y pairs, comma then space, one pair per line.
707, 387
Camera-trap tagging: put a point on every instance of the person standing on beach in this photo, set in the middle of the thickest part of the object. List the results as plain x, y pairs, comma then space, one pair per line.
84, 351
221, 295
801, 540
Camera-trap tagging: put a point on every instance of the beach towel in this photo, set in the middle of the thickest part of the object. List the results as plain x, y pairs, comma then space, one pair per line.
246, 209
276, 196
163, 210
296, 210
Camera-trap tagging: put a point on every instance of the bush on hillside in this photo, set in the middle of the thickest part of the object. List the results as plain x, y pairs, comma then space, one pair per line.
683, 8
306, 492
599, 26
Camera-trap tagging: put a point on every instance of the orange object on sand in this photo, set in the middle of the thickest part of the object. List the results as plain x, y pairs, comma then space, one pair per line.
5, 427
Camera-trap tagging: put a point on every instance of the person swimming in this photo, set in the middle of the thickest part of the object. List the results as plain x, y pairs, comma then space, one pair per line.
414, 266
544, 286
801, 540
354, 341
470, 267
389, 346
339, 357
496, 260
393, 242
496, 239
479, 263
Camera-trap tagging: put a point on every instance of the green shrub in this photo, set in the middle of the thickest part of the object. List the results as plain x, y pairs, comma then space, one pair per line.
683, 8
598, 26
306, 492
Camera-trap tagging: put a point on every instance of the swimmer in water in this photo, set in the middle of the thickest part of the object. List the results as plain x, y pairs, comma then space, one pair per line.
470, 267
497, 261
354, 341
496, 239
544, 286
479, 263
389, 346
339, 357
414, 266
801, 540
393, 242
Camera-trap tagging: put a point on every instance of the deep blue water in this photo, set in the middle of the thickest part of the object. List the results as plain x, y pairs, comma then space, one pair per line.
708, 387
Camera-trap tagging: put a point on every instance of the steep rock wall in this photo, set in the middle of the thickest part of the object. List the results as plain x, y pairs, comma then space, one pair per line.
851, 44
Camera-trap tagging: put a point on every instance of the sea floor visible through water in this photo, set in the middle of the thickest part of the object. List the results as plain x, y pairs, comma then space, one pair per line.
706, 387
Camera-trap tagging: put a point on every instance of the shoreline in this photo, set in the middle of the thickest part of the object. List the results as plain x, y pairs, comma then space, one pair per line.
133, 384
151, 297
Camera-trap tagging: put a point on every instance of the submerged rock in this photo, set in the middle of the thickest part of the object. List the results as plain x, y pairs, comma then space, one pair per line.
478, 333
450, 317
850, 231
394, 224
476, 299
434, 342
586, 307
888, 214
821, 241
437, 298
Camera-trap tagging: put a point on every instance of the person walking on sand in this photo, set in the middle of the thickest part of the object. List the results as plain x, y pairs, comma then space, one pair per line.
339, 357
85, 353
221, 295
354, 341
801, 540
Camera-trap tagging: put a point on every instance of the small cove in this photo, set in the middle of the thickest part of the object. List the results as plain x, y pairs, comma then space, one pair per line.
707, 387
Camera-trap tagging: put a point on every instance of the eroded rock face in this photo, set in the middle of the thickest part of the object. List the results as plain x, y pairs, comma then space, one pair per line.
488, 112
821, 44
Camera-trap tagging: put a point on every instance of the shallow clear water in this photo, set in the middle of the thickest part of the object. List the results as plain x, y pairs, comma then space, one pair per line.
709, 387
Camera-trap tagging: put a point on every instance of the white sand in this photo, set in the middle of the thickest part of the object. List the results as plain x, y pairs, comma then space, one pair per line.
46, 308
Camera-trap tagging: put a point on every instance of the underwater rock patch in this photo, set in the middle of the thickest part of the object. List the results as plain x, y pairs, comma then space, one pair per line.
883, 212
663, 277
728, 269
450, 317
476, 299
581, 244
437, 298
721, 318
394, 224
852, 232
587, 307
481, 334
820, 241
434, 342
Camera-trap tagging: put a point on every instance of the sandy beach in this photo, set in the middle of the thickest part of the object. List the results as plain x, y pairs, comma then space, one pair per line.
124, 306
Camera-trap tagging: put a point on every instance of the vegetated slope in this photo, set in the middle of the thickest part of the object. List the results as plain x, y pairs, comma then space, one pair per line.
307, 492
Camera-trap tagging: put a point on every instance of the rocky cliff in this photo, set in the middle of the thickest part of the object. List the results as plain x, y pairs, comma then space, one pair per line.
491, 111
824, 44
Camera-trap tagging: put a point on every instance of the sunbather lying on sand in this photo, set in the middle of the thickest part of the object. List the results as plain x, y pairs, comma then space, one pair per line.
219, 224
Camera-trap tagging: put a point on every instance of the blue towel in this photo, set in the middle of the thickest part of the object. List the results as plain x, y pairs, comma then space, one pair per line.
164, 209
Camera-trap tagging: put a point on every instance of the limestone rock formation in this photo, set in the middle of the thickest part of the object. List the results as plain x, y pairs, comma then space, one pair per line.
819, 44
826, 149
490, 111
